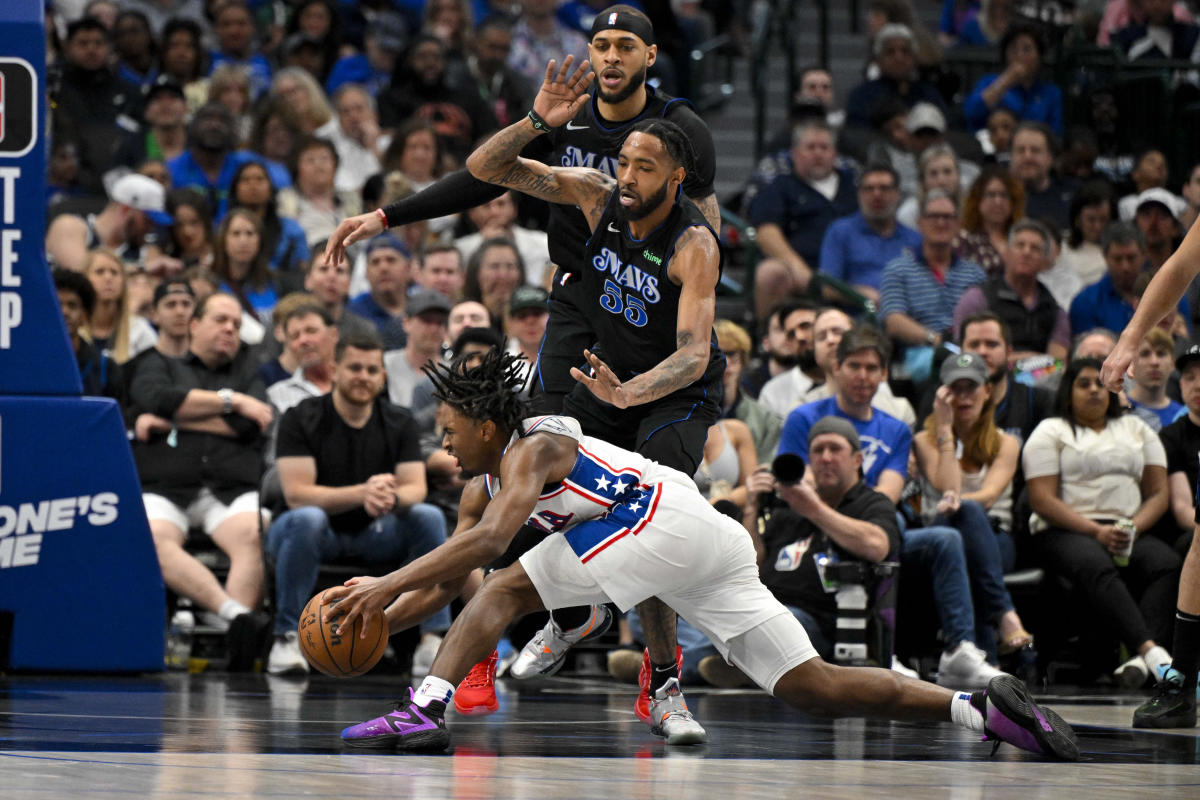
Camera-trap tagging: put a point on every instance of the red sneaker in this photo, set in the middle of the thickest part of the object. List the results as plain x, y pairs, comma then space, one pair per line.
477, 692
642, 706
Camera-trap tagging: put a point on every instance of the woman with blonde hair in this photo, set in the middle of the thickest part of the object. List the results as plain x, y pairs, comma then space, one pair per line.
937, 168
229, 85
996, 201
112, 328
300, 90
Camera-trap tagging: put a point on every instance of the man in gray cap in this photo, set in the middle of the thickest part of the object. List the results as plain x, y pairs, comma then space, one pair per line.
839, 514
425, 316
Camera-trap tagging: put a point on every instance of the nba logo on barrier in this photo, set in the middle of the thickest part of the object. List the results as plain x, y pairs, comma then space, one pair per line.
18, 107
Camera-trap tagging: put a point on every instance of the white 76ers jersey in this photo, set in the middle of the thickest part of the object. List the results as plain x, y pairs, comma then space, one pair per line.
604, 476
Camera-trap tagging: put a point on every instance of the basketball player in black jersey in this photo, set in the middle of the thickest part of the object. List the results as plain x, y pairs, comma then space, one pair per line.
622, 48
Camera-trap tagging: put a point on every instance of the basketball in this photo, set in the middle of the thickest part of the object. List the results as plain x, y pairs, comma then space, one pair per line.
335, 653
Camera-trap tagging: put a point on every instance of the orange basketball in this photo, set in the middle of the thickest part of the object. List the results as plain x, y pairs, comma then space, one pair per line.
334, 653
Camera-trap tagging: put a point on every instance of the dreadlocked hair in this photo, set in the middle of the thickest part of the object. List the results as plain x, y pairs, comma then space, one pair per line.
674, 139
485, 390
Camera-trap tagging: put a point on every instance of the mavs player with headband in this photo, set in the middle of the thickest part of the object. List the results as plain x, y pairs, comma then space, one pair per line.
621, 47
624, 528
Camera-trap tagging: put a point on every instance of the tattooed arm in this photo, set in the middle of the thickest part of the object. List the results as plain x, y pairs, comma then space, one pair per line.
711, 210
694, 268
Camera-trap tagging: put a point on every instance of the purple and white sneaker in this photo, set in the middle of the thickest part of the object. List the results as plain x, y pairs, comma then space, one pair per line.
1012, 716
407, 727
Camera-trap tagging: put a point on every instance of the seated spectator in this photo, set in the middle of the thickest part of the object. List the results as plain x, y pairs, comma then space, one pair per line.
311, 337
921, 289
229, 86
319, 23
330, 284
1082, 261
275, 133
995, 201
1110, 301
955, 16
1088, 468
1018, 407
525, 325
507, 92
781, 393
285, 361
233, 24
937, 168
856, 247
1191, 195
829, 327
816, 83
112, 326
777, 348
200, 463
539, 36
1149, 172
793, 211
182, 58
1120, 14
127, 226
441, 269
1037, 324
494, 271
466, 314
1151, 368
1181, 441
1047, 198
967, 471
240, 262
314, 200
76, 298
356, 136
881, 13
497, 218
895, 53
1157, 217
1018, 87
838, 513
988, 24
728, 460
425, 318
299, 91
735, 403
1159, 35
996, 137
192, 234
388, 274
174, 302
352, 474
283, 238
163, 134
383, 41
418, 154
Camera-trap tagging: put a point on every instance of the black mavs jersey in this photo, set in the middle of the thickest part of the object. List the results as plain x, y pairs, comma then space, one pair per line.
589, 140
632, 303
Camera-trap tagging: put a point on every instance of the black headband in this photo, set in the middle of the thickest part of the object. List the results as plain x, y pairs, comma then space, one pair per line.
624, 21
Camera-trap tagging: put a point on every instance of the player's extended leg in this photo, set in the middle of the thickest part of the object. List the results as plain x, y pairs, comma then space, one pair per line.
418, 721
1174, 705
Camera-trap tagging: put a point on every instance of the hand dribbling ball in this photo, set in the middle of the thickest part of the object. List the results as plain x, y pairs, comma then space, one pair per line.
334, 652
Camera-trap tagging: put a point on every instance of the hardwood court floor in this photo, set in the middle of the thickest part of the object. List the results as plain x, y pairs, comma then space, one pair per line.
214, 735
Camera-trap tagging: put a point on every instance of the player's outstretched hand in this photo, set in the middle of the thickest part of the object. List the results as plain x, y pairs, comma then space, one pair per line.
1112, 373
563, 92
605, 384
357, 597
351, 230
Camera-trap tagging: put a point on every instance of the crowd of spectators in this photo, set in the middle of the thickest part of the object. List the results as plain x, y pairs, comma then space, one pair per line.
941, 264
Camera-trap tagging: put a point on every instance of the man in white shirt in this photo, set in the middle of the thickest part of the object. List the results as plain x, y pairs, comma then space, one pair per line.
425, 323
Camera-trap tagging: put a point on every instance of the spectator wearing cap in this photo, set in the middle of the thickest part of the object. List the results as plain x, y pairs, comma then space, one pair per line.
497, 218
233, 25
91, 101
383, 42
163, 135
1047, 197
100, 375
1038, 325
134, 212
356, 136
1157, 217
171, 313
314, 199
311, 336
856, 247
1150, 370
1181, 440
425, 317
792, 212
389, 271
1018, 86
1109, 302
895, 54
525, 324
211, 159
1150, 171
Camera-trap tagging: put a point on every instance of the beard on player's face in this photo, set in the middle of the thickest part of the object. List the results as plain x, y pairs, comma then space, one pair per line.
625, 92
640, 209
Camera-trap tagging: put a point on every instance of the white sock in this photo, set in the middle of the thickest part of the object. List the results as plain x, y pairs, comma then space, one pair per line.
1156, 657
965, 715
433, 689
232, 609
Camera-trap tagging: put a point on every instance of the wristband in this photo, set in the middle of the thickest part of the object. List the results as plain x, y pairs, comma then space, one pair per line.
383, 218
538, 123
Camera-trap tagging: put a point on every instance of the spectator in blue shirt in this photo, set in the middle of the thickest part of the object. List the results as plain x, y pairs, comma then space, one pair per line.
1109, 302
383, 41
856, 247
793, 211
1017, 87
389, 272
1151, 367
896, 55
234, 26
